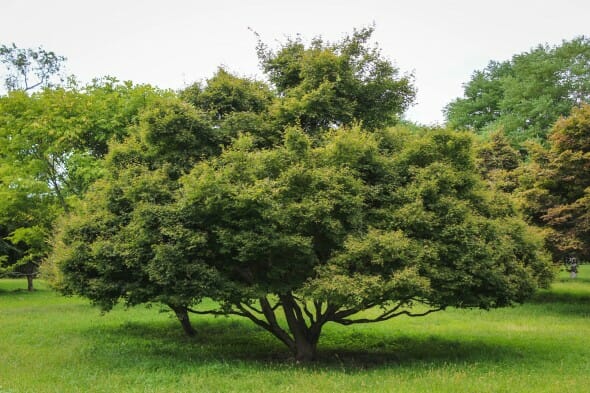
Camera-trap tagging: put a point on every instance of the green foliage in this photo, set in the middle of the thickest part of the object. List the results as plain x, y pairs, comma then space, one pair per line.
527, 94
559, 195
317, 88
225, 93
51, 143
235, 105
498, 162
335, 84
123, 241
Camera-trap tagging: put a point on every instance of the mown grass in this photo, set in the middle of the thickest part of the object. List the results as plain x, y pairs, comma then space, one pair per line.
49, 343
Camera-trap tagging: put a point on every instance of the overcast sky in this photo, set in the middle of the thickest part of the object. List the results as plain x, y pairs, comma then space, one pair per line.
170, 43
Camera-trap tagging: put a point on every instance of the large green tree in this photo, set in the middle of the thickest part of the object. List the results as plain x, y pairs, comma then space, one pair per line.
526, 94
297, 236
314, 213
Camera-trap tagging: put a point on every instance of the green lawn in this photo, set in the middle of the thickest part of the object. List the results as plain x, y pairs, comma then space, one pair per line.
49, 343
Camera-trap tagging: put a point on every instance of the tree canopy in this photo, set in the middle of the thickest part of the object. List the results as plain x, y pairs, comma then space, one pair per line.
526, 94
556, 186
51, 144
322, 233
328, 84
317, 87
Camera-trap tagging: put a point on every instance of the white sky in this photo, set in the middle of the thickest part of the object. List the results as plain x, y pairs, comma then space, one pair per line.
170, 43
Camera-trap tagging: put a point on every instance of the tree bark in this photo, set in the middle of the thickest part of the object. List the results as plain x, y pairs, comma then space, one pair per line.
306, 349
30, 286
303, 331
305, 337
182, 315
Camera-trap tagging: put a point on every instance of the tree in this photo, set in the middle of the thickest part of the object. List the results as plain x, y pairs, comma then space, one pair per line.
557, 193
526, 94
51, 143
388, 220
28, 69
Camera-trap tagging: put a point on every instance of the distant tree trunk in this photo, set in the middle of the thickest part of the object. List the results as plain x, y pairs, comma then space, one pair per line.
30, 286
182, 315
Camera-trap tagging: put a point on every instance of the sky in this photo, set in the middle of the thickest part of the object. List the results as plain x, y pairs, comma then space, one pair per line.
174, 43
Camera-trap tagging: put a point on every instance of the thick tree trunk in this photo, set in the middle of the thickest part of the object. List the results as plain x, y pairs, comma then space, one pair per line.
304, 328
305, 337
30, 286
182, 315
306, 350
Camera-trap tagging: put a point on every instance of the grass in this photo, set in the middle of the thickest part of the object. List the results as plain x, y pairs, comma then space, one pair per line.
49, 343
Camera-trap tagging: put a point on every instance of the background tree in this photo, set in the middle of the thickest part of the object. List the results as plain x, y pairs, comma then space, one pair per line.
28, 69
499, 162
51, 143
556, 186
527, 94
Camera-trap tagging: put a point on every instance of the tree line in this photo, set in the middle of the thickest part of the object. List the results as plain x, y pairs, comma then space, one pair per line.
295, 201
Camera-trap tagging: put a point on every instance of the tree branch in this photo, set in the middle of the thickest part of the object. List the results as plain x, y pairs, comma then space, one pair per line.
305, 310
385, 316
251, 307
212, 312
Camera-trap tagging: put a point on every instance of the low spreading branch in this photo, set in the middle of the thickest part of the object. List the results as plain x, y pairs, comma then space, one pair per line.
387, 315
212, 312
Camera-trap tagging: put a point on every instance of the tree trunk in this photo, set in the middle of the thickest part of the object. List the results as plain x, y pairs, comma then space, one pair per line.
306, 350
182, 315
30, 286
305, 337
